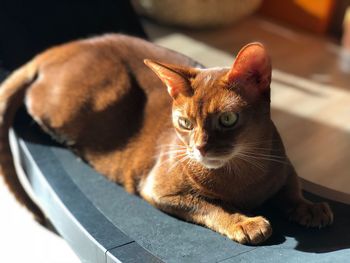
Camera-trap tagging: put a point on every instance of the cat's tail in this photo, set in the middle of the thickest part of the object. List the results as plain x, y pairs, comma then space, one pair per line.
12, 92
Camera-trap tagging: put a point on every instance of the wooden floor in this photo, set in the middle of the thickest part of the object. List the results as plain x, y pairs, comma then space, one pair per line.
310, 93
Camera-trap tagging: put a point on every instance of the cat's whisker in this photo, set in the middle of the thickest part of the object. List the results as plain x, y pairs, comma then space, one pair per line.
170, 152
273, 160
253, 162
168, 160
191, 162
230, 167
264, 155
236, 167
173, 148
264, 158
176, 154
275, 153
164, 162
253, 143
172, 145
269, 156
246, 156
177, 162
245, 146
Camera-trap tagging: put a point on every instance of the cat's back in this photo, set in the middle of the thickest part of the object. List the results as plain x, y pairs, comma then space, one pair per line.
93, 74
102, 82
132, 52
99, 68
112, 49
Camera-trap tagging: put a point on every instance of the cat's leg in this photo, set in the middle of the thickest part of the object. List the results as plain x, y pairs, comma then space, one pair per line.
291, 201
225, 220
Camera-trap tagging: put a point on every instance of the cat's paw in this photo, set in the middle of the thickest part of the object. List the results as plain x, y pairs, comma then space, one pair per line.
312, 214
253, 230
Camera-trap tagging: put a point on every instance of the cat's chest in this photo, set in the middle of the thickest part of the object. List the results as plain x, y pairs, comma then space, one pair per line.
244, 191
250, 193
164, 179
148, 187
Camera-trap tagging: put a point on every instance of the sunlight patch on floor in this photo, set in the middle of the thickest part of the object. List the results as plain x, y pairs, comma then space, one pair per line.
322, 103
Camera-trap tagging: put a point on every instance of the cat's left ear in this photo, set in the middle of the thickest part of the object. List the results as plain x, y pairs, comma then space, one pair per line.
176, 78
251, 70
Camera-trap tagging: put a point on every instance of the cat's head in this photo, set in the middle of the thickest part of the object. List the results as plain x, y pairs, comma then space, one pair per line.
216, 111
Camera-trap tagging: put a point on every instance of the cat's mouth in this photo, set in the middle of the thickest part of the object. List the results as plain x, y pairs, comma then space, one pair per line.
212, 162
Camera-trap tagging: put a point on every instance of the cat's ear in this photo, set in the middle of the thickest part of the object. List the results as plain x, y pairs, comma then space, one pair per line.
251, 70
176, 78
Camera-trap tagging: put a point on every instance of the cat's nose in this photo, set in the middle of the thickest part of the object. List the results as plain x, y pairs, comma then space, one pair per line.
202, 149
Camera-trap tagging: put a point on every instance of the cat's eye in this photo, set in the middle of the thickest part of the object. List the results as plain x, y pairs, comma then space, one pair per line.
185, 123
228, 119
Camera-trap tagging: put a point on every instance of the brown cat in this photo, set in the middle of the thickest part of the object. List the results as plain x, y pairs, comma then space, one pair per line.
208, 153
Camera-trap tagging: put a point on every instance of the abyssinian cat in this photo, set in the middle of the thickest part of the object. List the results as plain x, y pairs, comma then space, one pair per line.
203, 149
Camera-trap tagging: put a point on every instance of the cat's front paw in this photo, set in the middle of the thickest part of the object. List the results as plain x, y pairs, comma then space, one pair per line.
253, 230
312, 214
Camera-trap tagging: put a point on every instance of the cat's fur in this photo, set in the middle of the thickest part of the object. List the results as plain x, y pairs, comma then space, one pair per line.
99, 98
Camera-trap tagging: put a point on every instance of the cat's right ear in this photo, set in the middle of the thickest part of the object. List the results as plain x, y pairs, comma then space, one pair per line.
251, 71
176, 78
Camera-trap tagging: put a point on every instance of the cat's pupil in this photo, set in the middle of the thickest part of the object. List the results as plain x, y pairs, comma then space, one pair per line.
228, 119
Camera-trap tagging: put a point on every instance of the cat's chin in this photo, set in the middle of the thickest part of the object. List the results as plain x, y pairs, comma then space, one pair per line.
212, 163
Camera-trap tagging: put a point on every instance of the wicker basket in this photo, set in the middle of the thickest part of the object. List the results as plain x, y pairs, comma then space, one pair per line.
196, 13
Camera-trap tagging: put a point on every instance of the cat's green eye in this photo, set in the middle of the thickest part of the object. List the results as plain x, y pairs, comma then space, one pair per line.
228, 119
185, 123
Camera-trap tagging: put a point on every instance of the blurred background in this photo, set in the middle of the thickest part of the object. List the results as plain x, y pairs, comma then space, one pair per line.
308, 41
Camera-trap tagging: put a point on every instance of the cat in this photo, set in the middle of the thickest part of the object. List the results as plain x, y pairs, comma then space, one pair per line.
195, 142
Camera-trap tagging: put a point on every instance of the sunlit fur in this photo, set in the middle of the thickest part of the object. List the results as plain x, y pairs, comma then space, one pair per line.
97, 97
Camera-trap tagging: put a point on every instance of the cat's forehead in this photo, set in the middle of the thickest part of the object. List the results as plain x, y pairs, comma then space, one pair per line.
206, 78
211, 94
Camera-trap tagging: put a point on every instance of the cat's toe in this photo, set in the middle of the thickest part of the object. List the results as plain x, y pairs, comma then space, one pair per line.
312, 214
253, 230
